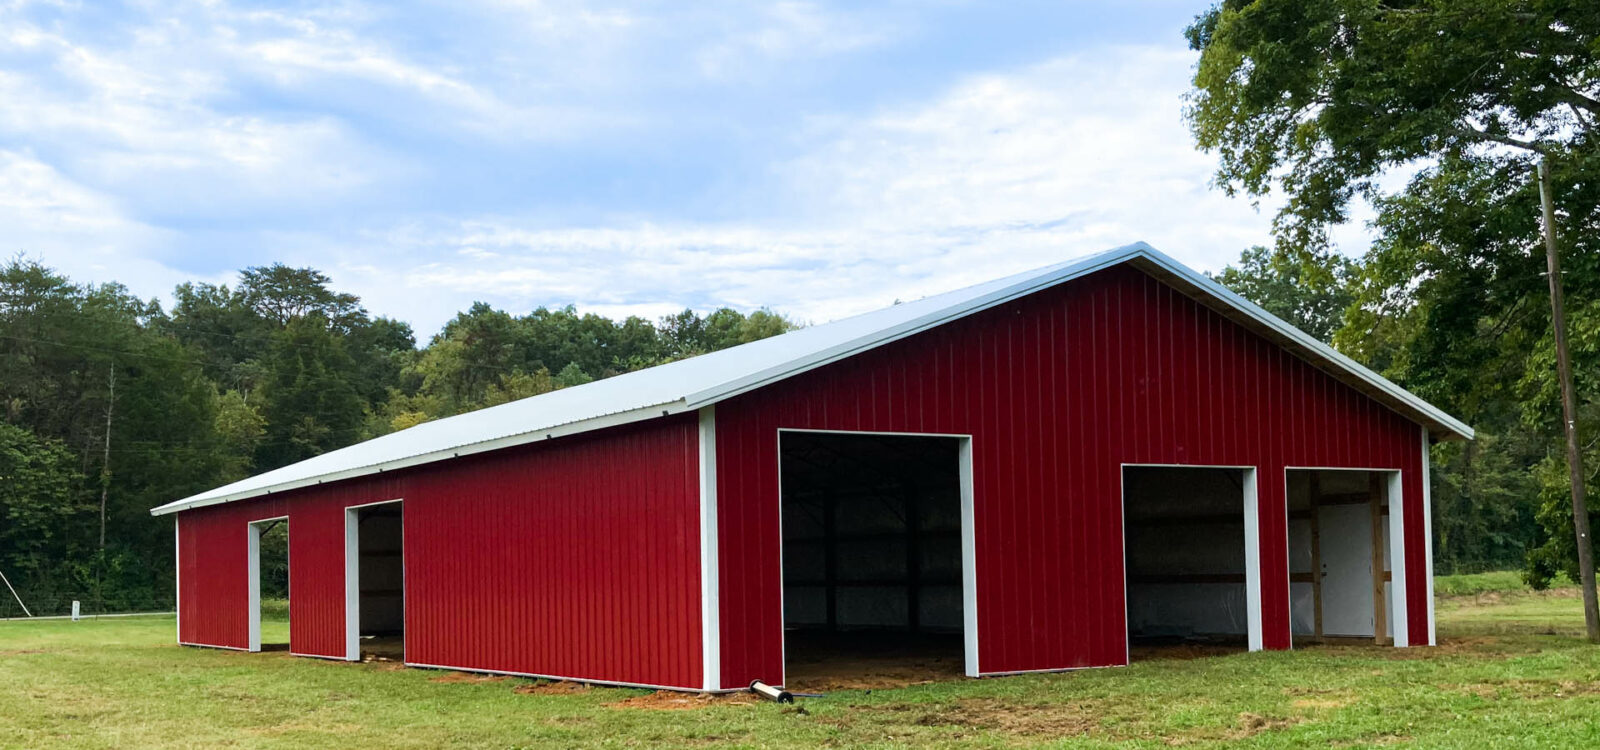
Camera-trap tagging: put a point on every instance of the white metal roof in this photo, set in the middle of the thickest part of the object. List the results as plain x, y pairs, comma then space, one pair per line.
689, 384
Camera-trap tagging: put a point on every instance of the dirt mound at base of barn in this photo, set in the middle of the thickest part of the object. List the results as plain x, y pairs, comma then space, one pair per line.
668, 700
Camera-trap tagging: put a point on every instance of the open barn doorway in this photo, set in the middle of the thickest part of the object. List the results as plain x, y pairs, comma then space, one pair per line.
268, 569
1188, 567
1340, 556
375, 600
873, 549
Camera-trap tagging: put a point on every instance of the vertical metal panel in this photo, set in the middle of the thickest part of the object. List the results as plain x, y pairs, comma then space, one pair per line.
316, 577
575, 558
213, 585
1058, 390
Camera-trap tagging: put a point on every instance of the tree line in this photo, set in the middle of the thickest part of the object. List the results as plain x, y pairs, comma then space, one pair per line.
111, 404
1324, 101
109, 399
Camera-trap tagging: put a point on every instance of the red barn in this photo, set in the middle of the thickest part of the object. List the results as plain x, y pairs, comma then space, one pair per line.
1032, 473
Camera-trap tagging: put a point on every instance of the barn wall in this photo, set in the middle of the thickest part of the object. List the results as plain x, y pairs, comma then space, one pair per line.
576, 558
1058, 390
213, 559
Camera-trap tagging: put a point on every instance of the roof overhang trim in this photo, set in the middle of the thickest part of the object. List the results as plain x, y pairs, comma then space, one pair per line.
1440, 426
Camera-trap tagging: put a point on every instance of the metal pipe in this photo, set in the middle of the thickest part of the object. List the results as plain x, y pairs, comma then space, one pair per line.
767, 691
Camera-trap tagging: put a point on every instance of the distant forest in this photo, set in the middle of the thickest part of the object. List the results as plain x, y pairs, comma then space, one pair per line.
109, 401
111, 405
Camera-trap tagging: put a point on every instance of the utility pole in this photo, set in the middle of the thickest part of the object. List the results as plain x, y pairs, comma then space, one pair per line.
1569, 409
105, 465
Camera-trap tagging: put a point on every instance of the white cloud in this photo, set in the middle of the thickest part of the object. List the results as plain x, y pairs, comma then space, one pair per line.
997, 173
1000, 173
137, 124
79, 231
783, 32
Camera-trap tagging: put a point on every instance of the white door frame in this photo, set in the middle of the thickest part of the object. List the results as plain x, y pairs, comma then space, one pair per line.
352, 576
1399, 617
1252, 546
253, 573
969, 557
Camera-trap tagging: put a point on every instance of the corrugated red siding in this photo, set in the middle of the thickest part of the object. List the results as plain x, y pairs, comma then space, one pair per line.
575, 558
213, 590
1058, 391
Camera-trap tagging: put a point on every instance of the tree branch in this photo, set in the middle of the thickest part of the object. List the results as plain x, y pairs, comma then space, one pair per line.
1578, 99
1480, 136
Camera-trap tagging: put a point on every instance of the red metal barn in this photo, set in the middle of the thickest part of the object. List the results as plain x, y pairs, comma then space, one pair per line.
1040, 470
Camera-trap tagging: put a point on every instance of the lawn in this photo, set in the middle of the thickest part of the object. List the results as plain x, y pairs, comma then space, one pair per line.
1511, 672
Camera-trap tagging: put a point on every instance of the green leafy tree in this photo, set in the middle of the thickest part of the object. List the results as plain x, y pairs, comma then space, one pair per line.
1310, 293
1321, 100
311, 404
40, 501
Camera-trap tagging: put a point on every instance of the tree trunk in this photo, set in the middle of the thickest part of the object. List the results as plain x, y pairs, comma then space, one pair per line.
105, 465
1569, 410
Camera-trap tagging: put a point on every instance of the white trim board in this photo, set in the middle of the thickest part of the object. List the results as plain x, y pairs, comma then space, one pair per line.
710, 572
212, 645
562, 678
689, 384
1427, 532
177, 577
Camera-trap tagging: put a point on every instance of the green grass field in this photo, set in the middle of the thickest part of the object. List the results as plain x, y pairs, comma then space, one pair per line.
1511, 671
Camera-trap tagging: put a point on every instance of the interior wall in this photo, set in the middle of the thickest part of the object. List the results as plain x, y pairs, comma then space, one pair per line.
1344, 523
1184, 537
382, 570
872, 523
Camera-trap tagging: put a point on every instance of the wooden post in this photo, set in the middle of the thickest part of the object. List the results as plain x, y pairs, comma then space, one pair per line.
1380, 620
1569, 411
1316, 558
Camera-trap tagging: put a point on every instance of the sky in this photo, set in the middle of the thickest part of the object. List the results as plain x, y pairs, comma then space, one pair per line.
819, 159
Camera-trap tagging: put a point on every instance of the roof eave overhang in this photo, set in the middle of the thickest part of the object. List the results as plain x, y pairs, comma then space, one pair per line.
1440, 425
572, 428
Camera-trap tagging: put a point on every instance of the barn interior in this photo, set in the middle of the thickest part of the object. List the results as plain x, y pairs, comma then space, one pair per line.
1183, 529
872, 571
382, 602
272, 582
1338, 535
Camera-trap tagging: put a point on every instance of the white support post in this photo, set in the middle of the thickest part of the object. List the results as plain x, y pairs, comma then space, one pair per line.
969, 562
177, 575
1427, 533
710, 576
1399, 613
1252, 561
352, 584
253, 570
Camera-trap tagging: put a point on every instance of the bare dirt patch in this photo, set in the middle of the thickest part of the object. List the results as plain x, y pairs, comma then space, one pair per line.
1525, 689
551, 687
1382, 740
1250, 725
827, 662
1053, 720
1182, 651
451, 677
668, 700
20, 652
1307, 697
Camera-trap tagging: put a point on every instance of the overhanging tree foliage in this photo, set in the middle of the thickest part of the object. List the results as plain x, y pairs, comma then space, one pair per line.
1322, 99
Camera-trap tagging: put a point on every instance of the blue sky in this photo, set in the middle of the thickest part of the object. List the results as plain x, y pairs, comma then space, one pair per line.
821, 159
